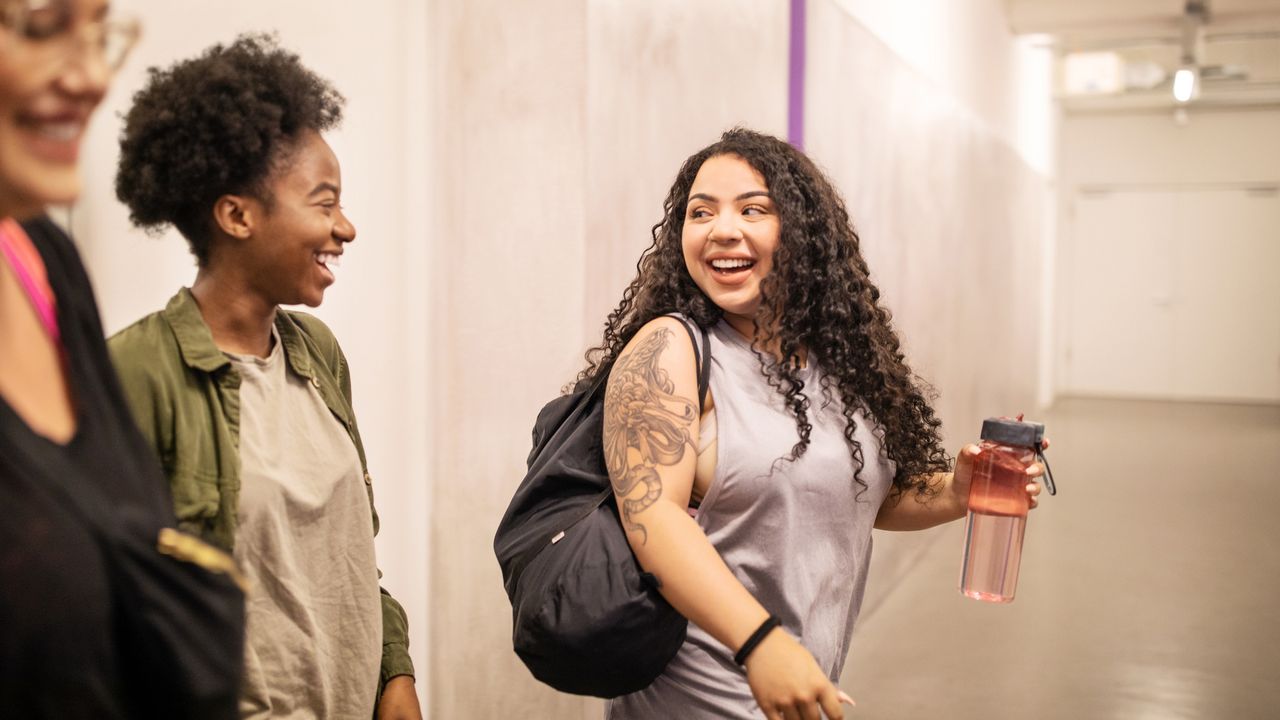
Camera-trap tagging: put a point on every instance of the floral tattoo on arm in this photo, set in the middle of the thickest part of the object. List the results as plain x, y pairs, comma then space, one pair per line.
646, 426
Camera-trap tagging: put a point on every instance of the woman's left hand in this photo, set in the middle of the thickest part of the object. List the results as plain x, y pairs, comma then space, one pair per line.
963, 476
399, 700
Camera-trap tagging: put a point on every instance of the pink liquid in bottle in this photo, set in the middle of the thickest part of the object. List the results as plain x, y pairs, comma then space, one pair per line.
998, 506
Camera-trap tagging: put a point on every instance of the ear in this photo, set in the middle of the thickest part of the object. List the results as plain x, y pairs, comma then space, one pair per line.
236, 215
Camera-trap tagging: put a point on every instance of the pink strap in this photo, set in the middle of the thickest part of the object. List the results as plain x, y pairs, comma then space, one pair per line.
25, 260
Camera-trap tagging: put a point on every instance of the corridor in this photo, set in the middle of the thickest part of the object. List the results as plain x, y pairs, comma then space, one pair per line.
1148, 587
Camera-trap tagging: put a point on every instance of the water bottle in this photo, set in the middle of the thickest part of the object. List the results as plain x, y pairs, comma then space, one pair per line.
998, 505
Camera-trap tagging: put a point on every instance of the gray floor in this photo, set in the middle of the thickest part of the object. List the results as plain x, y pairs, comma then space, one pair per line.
1150, 585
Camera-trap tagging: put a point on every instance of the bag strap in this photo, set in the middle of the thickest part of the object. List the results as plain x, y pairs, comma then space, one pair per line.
17, 248
702, 364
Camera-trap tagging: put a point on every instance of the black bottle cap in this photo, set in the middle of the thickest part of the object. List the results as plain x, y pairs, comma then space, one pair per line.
1013, 432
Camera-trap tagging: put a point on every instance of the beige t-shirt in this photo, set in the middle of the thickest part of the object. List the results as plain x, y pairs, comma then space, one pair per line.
305, 538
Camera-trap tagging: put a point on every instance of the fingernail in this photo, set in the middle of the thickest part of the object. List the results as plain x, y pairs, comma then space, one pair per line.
844, 698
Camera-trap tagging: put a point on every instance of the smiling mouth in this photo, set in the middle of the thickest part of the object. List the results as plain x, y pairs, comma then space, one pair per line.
731, 266
59, 131
56, 139
329, 261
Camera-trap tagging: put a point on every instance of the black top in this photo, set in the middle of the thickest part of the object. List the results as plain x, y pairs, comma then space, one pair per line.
60, 647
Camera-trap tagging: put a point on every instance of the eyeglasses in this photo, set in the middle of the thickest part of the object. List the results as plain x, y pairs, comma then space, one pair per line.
52, 25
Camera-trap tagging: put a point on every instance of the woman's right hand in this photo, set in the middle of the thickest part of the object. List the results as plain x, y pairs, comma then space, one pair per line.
787, 682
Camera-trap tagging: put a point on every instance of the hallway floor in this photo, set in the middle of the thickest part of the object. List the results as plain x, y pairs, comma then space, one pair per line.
1149, 590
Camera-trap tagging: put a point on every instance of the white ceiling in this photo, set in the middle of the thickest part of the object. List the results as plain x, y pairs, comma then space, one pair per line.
1084, 20
1240, 34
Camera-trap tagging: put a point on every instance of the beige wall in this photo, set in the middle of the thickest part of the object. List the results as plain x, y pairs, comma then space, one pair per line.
949, 214
965, 50
953, 218
1148, 148
1148, 153
507, 279
665, 78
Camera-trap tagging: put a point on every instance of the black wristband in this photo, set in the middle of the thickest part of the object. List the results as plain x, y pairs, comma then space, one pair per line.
765, 628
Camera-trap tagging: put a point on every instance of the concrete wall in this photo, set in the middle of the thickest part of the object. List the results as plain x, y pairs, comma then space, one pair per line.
664, 80
952, 203
507, 282
949, 216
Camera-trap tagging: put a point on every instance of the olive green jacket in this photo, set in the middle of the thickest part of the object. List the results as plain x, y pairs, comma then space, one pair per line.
185, 396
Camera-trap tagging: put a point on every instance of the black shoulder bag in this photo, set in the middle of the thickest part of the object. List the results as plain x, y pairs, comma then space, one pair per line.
586, 619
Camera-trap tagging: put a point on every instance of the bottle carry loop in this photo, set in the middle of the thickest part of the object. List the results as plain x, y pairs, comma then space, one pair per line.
1048, 473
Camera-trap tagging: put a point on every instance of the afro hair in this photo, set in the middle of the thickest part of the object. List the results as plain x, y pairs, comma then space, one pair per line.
213, 125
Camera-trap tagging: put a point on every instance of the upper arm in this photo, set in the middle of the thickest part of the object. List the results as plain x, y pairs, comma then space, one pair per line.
395, 639
651, 422
142, 390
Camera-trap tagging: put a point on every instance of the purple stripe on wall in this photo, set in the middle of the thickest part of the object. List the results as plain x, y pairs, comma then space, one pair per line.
795, 76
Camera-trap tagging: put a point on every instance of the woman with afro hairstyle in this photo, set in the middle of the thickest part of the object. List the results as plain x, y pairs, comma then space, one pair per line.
249, 405
813, 432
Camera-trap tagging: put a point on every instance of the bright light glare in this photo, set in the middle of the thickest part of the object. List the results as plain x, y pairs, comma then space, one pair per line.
1184, 84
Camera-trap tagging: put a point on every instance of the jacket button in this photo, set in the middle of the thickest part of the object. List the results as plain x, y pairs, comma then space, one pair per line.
368, 480
315, 380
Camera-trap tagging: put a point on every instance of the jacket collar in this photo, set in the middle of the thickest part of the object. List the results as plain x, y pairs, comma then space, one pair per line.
195, 341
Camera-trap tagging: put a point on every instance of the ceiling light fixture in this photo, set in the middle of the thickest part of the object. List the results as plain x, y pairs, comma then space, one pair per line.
1186, 81
1184, 84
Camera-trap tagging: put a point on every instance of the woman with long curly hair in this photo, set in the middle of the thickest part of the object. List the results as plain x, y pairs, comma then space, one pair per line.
248, 405
813, 432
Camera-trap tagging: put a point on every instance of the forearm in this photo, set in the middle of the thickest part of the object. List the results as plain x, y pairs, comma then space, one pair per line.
693, 576
913, 511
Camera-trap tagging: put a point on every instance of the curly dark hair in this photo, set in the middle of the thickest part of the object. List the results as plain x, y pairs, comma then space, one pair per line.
819, 297
216, 124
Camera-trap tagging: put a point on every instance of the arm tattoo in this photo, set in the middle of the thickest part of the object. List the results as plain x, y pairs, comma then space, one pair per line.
645, 426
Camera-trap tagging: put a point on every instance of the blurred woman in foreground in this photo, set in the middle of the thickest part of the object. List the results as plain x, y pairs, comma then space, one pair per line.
105, 610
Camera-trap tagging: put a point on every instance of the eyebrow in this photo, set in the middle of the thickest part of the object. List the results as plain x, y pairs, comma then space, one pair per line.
740, 198
323, 187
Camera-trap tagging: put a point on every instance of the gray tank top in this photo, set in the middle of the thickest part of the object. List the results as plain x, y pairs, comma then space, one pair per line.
796, 534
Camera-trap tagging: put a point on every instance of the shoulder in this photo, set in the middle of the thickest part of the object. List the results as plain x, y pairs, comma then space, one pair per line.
145, 341
313, 326
62, 261
319, 338
46, 232
670, 329
315, 330
664, 343
144, 351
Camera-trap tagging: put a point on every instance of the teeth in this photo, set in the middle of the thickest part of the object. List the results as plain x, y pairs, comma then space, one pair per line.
60, 131
731, 263
329, 260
